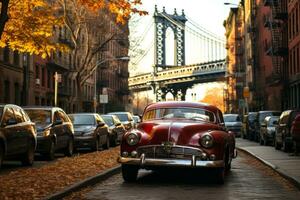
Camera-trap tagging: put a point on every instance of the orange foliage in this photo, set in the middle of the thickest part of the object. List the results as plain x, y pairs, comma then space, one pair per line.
30, 27
121, 8
214, 96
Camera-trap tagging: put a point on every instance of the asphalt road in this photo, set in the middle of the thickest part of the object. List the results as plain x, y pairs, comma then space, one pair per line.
248, 179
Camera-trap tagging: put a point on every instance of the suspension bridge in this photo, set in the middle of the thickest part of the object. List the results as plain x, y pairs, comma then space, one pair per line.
196, 56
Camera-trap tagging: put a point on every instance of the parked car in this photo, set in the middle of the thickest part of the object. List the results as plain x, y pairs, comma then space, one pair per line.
261, 115
136, 120
267, 130
90, 131
17, 135
250, 125
233, 123
115, 128
295, 132
55, 131
178, 134
125, 118
283, 136
244, 127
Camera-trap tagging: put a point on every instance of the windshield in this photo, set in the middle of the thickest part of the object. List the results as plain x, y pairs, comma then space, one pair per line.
108, 120
272, 120
263, 115
122, 117
252, 116
186, 113
39, 116
231, 118
82, 119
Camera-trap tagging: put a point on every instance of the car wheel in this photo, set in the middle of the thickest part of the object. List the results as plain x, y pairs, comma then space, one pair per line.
28, 157
129, 173
277, 146
285, 146
1, 154
51, 153
107, 143
114, 141
96, 145
220, 175
70, 148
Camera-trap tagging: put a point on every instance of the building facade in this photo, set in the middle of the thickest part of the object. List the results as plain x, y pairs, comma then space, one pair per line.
235, 75
293, 100
29, 79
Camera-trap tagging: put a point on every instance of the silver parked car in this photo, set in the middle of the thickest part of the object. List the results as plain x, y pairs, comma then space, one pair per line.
267, 130
233, 123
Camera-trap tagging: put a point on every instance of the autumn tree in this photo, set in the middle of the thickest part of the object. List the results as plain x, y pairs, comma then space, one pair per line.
214, 96
27, 26
86, 24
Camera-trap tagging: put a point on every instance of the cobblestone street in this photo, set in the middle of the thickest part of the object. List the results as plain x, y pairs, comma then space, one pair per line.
248, 179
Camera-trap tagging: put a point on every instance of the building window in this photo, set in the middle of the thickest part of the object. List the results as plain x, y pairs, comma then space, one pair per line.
43, 76
6, 54
16, 58
48, 79
6, 91
17, 94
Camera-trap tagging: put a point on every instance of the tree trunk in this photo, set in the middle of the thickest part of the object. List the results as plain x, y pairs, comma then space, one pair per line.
3, 15
79, 94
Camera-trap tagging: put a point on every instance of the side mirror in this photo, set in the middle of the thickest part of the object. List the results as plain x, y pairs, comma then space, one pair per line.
100, 124
57, 122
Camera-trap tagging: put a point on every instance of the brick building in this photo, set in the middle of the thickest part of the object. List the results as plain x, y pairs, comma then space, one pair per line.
235, 75
294, 54
29, 80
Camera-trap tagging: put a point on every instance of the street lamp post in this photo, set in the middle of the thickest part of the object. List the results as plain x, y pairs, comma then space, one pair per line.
124, 58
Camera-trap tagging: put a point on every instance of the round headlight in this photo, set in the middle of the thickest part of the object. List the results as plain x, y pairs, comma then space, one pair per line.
132, 139
207, 141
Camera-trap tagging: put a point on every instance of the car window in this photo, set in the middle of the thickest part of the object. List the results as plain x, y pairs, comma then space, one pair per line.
122, 117
82, 119
108, 120
263, 115
231, 118
185, 113
272, 122
39, 117
18, 115
57, 117
252, 116
8, 115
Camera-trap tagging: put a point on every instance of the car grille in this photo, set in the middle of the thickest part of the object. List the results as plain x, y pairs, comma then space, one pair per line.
78, 133
161, 151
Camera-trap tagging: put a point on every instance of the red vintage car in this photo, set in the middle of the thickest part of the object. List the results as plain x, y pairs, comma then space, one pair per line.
178, 134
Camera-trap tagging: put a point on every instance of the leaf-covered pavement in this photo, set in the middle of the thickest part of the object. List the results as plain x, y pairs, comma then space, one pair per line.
36, 183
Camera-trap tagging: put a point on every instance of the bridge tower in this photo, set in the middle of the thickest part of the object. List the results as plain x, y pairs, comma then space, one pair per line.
176, 22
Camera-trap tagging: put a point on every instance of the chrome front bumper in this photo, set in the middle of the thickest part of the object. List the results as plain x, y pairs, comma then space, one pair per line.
144, 162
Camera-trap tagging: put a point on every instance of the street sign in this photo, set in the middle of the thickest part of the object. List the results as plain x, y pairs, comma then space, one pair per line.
103, 98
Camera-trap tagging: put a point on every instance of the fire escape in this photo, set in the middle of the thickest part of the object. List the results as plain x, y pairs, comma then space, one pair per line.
277, 48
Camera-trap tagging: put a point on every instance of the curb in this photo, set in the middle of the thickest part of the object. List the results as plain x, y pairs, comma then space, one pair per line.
86, 182
291, 179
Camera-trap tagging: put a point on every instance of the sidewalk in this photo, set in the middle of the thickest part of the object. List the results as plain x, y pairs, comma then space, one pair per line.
284, 163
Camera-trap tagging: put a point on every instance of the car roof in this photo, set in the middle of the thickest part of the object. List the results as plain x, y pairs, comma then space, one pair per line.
268, 111
176, 104
11, 105
41, 107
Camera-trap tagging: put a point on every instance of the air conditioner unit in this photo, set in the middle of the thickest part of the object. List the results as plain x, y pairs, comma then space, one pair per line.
37, 81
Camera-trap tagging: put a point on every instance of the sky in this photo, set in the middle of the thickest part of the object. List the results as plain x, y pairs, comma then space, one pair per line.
210, 14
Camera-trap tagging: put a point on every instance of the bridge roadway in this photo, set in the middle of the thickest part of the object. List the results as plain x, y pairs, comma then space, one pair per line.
190, 74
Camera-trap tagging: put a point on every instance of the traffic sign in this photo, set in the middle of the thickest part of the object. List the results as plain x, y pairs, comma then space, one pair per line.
103, 98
